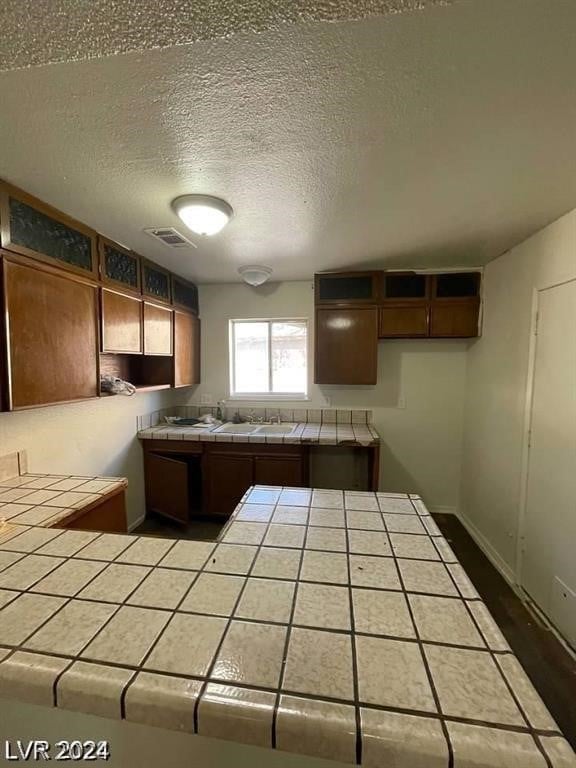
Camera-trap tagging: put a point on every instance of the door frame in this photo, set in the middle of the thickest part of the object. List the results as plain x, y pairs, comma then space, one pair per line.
528, 405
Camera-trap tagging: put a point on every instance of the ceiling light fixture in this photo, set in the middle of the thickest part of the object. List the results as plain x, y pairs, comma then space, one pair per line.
255, 274
203, 214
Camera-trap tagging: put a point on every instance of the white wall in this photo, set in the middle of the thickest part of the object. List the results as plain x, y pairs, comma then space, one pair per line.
417, 403
497, 374
94, 437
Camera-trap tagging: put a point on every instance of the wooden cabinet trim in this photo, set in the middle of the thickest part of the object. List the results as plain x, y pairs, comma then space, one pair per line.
7, 191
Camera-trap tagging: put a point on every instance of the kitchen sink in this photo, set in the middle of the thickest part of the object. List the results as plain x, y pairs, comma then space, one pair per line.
237, 429
255, 429
275, 429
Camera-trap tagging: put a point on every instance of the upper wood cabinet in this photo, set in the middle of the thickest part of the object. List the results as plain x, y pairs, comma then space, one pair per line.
186, 349
121, 323
32, 228
119, 266
157, 330
404, 320
346, 345
51, 335
454, 319
347, 288
184, 294
156, 282
422, 306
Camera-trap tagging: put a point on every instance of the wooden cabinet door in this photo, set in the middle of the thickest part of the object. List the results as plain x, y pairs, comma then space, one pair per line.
403, 321
454, 319
167, 487
121, 323
52, 336
186, 349
346, 350
278, 470
157, 330
227, 478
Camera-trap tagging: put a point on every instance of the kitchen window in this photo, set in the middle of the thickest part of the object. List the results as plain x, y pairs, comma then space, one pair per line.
268, 358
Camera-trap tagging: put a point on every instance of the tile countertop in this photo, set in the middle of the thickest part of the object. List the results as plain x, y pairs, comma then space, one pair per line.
46, 500
331, 624
304, 432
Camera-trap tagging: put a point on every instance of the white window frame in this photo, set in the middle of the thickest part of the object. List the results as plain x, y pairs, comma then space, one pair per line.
265, 395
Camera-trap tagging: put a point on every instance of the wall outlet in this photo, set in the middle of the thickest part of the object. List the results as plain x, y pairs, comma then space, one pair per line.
205, 399
401, 404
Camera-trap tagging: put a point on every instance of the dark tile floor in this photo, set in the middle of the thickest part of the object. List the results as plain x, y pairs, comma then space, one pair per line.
548, 664
202, 530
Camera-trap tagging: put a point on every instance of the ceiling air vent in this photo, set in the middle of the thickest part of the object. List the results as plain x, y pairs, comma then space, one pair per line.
170, 237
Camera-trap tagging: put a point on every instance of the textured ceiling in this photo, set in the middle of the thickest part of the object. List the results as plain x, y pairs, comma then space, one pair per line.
426, 139
36, 32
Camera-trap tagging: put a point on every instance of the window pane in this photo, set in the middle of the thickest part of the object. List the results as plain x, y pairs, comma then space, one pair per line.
251, 357
289, 357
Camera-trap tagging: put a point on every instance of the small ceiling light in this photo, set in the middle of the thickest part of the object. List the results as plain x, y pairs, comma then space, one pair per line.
254, 274
203, 214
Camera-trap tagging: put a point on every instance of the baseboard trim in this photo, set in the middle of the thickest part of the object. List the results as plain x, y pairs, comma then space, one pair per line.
492, 555
136, 523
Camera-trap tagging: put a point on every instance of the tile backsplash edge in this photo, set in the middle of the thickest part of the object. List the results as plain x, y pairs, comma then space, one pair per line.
301, 415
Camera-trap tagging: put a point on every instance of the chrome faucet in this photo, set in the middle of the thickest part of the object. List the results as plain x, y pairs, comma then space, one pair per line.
276, 419
253, 419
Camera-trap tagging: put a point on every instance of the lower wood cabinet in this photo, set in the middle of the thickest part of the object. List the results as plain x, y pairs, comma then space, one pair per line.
186, 349
230, 470
108, 516
167, 485
346, 345
227, 476
51, 336
278, 470
185, 479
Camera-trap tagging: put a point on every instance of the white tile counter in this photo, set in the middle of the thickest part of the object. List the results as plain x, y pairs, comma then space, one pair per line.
302, 433
327, 623
47, 500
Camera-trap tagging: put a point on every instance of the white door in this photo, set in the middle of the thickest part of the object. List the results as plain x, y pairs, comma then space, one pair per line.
549, 547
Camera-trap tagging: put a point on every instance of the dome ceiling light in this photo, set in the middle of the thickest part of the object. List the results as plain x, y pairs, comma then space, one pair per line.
255, 274
203, 214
